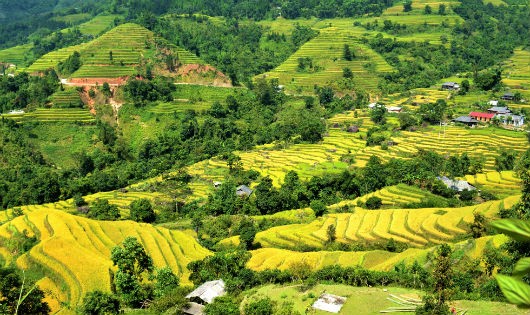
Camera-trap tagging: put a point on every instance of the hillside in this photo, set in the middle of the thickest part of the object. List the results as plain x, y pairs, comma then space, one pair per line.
74, 253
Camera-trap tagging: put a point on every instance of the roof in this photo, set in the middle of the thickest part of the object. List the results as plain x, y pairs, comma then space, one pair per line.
372, 105
465, 119
193, 309
499, 109
482, 115
393, 108
508, 94
243, 190
493, 103
513, 117
208, 291
329, 302
449, 83
455, 184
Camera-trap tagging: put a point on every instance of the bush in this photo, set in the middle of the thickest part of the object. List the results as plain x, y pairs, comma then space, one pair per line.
374, 203
318, 207
142, 211
264, 306
101, 209
100, 303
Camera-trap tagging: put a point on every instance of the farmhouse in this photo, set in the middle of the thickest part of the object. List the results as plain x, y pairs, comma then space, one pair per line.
206, 293
510, 119
450, 86
243, 190
455, 184
466, 120
493, 103
329, 303
508, 97
499, 110
393, 109
484, 117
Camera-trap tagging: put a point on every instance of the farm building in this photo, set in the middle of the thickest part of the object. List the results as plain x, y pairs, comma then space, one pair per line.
206, 293
493, 103
372, 105
450, 86
455, 184
508, 96
394, 109
243, 190
217, 184
329, 303
499, 110
466, 120
484, 117
510, 119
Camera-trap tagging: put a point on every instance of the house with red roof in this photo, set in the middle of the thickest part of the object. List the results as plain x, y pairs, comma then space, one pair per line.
484, 117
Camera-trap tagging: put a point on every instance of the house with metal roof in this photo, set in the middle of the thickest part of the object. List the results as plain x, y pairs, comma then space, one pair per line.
466, 120
243, 190
499, 110
450, 86
205, 293
455, 184
329, 303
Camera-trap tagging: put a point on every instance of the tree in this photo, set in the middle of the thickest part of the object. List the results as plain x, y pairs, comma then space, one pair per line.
247, 233
428, 9
325, 95
223, 305
264, 306
374, 203
133, 263
105, 89
407, 121
478, 227
347, 73
441, 9
464, 87
100, 303
20, 295
378, 113
165, 282
331, 233
347, 53
443, 282
433, 112
488, 79
101, 209
110, 55
142, 211
407, 6
318, 207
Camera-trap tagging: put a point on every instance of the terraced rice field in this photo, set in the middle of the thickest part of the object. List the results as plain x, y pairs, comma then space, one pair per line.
123, 198
274, 258
416, 227
326, 52
418, 7
75, 251
393, 196
66, 99
98, 24
316, 159
517, 70
54, 115
51, 59
501, 184
15, 55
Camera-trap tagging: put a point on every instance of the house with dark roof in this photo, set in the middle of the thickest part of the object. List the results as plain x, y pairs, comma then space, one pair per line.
499, 110
484, 117
450, 86
243, 190
508, 96
466, 120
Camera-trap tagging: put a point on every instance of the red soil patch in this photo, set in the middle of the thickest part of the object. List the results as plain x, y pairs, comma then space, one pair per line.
99, 81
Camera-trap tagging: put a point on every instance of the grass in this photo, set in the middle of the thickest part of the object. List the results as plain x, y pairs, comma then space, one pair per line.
76, 250
364, 300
